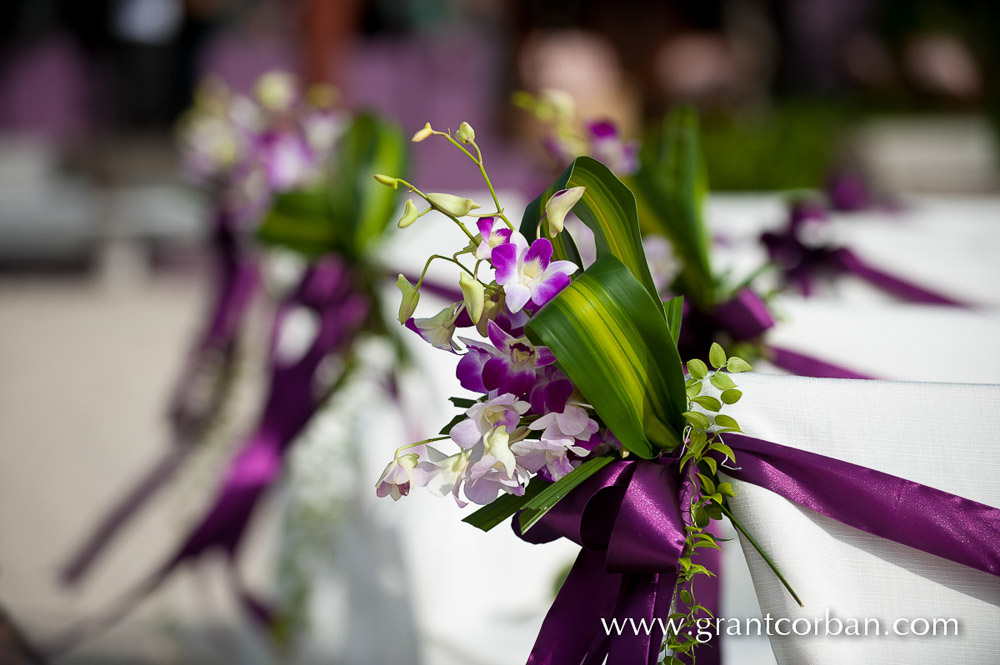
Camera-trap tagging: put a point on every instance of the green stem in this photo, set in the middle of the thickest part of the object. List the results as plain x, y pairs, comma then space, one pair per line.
445, 258
478, 160
420, 443
766, 558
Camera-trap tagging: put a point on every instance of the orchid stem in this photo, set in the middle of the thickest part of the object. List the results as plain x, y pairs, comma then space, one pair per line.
478, 159
446, 258
420, 443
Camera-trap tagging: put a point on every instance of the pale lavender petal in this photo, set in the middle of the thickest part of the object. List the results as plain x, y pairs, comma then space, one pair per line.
566, 267
518, 295
466, 433
573, 420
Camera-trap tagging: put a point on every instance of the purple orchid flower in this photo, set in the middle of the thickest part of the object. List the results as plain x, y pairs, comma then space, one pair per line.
287, 159
493, 467
607, 146
443, 474
562, 434
397, 477
492, 233
483, 417
551, 391
507, 367
529, 273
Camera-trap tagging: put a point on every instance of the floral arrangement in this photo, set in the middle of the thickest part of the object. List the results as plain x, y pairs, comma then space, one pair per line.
668, 177
286, 173
573, 367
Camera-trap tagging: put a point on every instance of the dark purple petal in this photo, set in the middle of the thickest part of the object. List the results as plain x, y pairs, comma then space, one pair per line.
603, 129
519, 383
557, 393
463, 320
544, 356
470, 370
485, 226
496, 372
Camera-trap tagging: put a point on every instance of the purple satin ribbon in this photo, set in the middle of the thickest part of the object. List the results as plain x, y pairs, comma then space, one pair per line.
802, 264
745, 317
629, 521
235, 284
328, 289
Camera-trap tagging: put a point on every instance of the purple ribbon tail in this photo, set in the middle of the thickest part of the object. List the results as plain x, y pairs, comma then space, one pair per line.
804, 365
588, 595
900, 288
81, 562
918, 516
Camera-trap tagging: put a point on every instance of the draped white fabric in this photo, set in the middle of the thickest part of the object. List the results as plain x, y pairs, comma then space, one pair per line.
942, 435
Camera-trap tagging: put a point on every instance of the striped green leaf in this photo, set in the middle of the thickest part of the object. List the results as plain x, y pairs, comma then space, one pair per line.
607, 207
610, 337
671, 186
348, 209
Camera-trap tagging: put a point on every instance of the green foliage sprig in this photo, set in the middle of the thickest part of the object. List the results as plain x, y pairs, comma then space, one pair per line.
699, 464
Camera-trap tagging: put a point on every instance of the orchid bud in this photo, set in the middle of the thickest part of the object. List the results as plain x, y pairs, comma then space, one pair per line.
465, 133
423, 133
562, 103
559, 205
453, 205
276, 91
492, 306
411, 296
410, 215
387, 180
473, 294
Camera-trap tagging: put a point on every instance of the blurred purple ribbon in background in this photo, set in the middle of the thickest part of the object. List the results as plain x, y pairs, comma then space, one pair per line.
193, 407
329, 291
801, 263
745, 317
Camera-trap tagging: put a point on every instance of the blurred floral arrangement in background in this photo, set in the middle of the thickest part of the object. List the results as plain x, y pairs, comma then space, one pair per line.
288, 180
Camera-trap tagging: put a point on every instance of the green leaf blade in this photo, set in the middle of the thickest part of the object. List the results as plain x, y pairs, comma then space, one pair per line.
607, 207
610, 338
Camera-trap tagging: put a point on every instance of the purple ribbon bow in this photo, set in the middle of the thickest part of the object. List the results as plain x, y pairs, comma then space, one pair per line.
801, 263
629, 519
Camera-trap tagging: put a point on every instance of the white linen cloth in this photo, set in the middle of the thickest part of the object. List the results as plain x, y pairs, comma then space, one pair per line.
940, 435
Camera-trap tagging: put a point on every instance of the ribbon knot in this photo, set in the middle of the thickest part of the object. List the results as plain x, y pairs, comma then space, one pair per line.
628, 520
